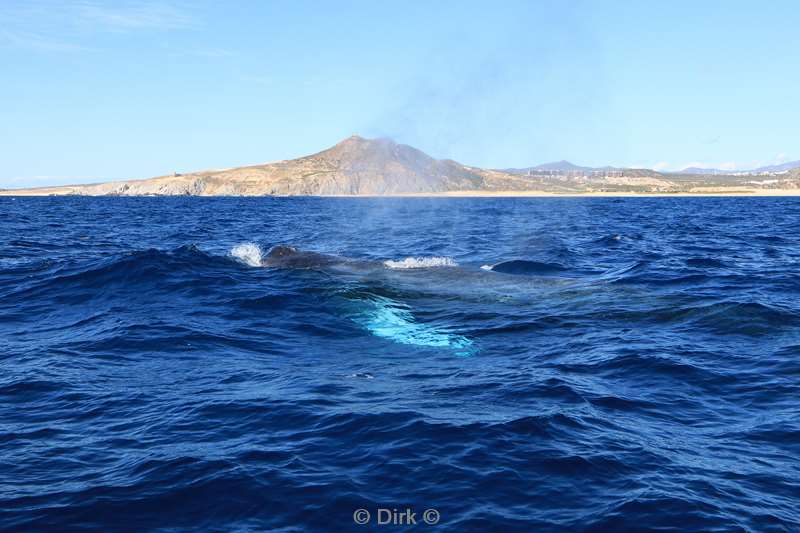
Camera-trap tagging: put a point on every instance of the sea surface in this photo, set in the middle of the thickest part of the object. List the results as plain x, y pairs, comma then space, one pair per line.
567, 364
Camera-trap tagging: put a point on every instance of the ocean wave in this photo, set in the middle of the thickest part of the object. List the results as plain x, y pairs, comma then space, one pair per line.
616, 239
609, 240
704, 262
746, 318
420, 262
135, 272
650, 389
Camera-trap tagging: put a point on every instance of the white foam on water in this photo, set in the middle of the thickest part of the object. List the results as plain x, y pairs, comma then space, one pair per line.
420, 262
487, 267
248, 253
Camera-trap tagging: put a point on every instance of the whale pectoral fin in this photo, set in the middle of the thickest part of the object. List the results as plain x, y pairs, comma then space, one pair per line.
394, 321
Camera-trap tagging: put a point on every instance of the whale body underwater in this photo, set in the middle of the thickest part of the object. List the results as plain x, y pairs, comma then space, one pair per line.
379, 314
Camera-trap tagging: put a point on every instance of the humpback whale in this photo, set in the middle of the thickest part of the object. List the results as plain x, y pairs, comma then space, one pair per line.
284, 256
380, 315
290, 257
522, 267
395, 320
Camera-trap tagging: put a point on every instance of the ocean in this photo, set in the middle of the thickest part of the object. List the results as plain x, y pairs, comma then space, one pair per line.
462, 364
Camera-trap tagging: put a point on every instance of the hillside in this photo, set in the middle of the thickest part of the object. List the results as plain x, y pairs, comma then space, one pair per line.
355, 166
359, 166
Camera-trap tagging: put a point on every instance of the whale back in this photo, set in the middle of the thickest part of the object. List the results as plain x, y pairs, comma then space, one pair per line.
290, 257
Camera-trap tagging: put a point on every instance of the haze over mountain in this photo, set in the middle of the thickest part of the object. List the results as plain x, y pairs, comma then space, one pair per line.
359, 166
701, 170
561, 166
790, 165
782, 167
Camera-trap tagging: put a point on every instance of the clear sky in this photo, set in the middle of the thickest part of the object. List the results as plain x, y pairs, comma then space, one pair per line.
94, 90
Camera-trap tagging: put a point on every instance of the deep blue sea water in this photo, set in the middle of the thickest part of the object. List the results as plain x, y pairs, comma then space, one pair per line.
630, 365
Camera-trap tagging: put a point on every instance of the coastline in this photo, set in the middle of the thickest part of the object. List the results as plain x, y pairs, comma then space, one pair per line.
594, 194
72, 191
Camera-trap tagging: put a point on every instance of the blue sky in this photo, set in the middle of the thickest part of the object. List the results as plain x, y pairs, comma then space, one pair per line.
93, 90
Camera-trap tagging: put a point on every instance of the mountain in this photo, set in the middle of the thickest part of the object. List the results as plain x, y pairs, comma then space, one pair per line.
783, 167
555, 166
561, 166
704, 171
355, 166
359, 166
565, 166
791, 165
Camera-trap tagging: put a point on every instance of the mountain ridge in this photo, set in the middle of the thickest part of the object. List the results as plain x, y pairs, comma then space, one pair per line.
781, 167
357, 166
